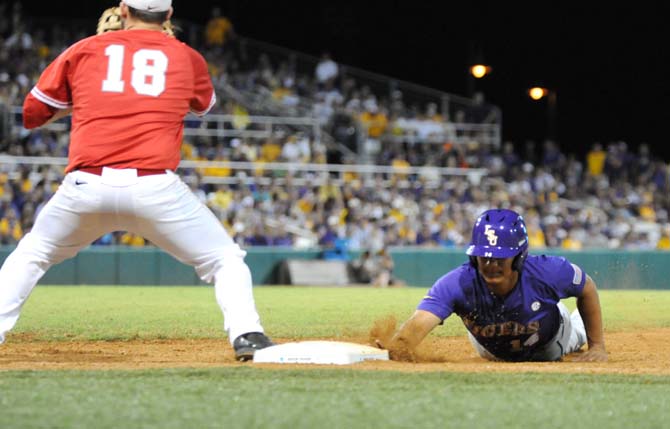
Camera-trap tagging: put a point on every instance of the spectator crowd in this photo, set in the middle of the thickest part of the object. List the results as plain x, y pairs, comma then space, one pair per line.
614, 197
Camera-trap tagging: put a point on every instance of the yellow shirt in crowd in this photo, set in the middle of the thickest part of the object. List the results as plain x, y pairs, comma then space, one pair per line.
217, 30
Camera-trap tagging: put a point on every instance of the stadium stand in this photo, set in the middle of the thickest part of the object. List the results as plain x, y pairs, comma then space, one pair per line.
290, 159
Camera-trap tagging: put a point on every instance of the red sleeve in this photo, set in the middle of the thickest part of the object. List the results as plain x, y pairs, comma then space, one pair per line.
36, 113
204, 96
51, 93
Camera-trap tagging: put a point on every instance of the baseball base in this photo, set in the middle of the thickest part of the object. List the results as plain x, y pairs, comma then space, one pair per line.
320, 352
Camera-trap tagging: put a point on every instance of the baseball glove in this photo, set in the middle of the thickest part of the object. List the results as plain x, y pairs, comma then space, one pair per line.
169, 28
111, 20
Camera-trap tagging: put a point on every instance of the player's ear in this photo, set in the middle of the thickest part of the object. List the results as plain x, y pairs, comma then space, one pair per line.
123, 10
169, 14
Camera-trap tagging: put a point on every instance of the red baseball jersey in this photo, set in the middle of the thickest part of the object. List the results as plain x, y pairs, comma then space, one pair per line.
129, 91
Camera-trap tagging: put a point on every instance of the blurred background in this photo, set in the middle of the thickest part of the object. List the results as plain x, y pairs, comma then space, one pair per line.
355, 127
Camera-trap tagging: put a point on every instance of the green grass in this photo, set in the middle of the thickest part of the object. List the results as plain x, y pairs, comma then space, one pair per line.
250, 398
107, 313
61, 312
337, 397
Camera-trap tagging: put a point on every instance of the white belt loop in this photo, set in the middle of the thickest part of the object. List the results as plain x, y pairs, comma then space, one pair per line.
118, 177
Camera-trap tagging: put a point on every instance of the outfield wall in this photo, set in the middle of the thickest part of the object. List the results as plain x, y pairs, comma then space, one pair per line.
111, 265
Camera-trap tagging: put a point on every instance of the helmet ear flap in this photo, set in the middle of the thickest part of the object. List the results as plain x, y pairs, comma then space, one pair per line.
517, 263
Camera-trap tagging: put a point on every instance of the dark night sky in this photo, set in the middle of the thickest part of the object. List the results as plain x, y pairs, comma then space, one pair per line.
609, 64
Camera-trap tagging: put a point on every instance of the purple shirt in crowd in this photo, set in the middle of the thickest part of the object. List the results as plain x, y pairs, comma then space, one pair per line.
510, 327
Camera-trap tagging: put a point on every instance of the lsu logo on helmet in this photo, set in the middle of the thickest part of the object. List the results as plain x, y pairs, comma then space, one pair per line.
491, 235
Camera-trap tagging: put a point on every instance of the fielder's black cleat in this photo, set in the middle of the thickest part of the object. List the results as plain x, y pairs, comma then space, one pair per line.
246, 345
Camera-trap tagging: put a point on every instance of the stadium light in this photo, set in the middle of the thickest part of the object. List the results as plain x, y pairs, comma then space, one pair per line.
538, 92
480, 70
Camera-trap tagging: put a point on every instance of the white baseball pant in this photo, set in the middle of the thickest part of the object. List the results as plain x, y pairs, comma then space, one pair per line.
160, 208
571, 336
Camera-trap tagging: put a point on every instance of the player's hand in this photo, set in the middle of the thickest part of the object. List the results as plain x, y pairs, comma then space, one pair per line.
401, 354
593, 354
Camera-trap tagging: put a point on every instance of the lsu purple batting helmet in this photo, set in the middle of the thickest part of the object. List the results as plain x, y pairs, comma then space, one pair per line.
499, 233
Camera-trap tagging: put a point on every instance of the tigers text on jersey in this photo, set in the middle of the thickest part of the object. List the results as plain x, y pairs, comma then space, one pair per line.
149, 82
514, 326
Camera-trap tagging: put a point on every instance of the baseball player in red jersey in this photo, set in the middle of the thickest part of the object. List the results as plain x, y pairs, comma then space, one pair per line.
128, 92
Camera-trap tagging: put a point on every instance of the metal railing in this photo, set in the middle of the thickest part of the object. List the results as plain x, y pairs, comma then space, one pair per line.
258, 127
297, 173
215, 125
264, 127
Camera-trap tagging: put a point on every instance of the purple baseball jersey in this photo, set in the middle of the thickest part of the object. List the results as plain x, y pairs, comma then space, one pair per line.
510, 327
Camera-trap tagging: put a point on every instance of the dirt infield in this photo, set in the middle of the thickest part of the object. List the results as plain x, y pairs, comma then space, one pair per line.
639, 352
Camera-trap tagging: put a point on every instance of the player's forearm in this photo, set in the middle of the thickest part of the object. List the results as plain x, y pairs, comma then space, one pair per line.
59, 115
410, 335
590, 310
594, 328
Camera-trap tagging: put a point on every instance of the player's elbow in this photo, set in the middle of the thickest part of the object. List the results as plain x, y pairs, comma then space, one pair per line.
33, 118
35, 113
589, 286
30, 122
